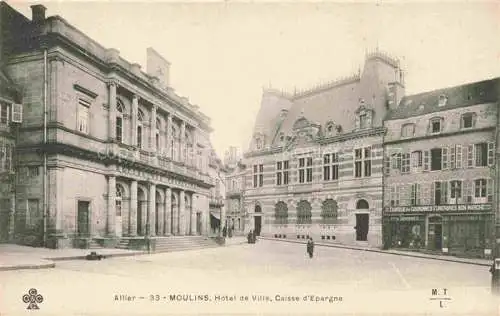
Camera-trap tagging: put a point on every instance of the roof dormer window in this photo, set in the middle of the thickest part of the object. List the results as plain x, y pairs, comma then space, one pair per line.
442, 100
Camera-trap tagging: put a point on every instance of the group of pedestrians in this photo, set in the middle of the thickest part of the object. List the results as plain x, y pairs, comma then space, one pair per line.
251, 237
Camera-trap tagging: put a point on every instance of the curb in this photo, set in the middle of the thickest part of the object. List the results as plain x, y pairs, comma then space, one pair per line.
84, 257
29, 267
382, 251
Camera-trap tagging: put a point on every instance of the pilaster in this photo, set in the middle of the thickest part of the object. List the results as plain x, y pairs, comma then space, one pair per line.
135, 110
153, 129
169, 136
193, 215
112, 110
182, 142
133, 209
111, 209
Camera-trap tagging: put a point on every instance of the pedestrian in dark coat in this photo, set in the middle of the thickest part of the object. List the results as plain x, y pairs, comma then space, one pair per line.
495, 279
250, 237
310, 247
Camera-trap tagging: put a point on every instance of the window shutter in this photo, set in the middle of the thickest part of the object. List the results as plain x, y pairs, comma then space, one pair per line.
458, 157
426, 160
453, 151
417, 193
425, 193
404, 194
444, 192
491, 154
489, 188
432, 195
444, 158
387, 165
470, 156
17, 113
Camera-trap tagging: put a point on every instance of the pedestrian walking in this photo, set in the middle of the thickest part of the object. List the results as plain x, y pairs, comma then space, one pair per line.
310, 247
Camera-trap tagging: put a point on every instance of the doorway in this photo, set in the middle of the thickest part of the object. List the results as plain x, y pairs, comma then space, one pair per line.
198, 223
435, 233
258, 225
4, 219
362, 221
83, 218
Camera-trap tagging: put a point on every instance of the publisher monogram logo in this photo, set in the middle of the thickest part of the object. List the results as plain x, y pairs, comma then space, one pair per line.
32, 299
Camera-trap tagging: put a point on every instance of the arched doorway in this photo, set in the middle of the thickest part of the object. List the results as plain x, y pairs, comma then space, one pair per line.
257, 220
119, 195
141, 206
362, 220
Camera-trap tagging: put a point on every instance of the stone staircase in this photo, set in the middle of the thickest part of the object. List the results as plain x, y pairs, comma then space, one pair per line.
171, 243
93, 244
180, 243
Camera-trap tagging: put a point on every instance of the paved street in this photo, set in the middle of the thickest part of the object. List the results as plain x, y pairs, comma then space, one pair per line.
368, 283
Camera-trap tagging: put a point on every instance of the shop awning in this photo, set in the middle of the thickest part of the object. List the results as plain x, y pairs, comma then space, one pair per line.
215, 214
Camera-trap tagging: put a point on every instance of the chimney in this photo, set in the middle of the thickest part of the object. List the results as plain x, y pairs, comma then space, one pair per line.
38, 13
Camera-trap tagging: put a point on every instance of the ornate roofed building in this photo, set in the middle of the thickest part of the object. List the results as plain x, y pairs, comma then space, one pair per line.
107, 153
315, 159
235, 181
439, 190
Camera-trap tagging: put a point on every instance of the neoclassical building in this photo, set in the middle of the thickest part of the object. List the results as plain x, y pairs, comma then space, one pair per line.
314, 164
105, 151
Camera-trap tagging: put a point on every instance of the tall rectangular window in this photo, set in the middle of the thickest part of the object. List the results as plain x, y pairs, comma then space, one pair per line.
362, 162
416, 159
481, 151
83, 116
326, 167
480, 188
436, 159
302, 165
309, 170
255, 176
286, 172
4, 113
405, 163
415, 194
282, 169
33, 213
139, 137
440, 192
261, 175
119, 129
395, 195
456, 189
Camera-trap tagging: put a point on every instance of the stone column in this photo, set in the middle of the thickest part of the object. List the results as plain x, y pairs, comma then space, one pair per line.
193, 213
112, 110
182, 142
161, 215
182, 215
168, 212
169, 136
111, 214
153, 129
135, 109
133, 209
151, 209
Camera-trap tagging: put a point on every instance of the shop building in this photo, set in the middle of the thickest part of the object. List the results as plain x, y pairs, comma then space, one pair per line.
439, 184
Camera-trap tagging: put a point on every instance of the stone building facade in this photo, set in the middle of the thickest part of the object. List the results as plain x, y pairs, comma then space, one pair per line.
314, 164
217, 198
235, 180
439, 187
105, 150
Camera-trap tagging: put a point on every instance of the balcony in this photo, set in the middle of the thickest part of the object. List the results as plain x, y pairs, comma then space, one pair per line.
216, 201
445, 208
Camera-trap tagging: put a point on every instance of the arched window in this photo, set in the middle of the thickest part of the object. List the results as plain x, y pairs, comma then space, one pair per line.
188, 154
329, 211
362, 204
118, 200
281, 213
304, 215
140, 122
120, 110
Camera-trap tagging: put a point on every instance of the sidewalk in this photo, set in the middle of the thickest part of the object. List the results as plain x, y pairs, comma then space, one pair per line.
479, 262
15, 257
235, 240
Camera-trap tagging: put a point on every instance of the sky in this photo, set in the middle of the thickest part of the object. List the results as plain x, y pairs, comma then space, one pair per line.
223, 54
